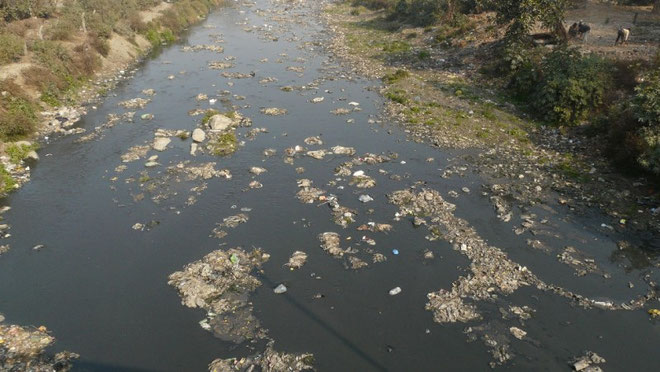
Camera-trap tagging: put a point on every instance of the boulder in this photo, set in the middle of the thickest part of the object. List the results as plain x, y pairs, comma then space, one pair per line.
160, 143
198, 135
220, 123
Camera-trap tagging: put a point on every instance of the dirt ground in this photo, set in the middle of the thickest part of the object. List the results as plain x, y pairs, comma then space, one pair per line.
605, 20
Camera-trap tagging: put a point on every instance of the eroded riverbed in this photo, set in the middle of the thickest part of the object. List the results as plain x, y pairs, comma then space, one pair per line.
516, 288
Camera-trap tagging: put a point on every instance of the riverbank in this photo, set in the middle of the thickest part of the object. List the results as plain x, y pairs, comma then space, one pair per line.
77, 63
439, 93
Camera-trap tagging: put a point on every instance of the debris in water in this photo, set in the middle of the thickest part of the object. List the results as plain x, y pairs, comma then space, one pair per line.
273, 111
22, 349
297, 260
268, 361
220, 283
395, 291
257, 170
517, 333
588, 362
280, 289
135, 103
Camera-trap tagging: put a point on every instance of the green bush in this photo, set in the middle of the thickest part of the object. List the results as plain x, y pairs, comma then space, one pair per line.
564, 87
19, 118
12, 10
647, 100
11, 48
417, 12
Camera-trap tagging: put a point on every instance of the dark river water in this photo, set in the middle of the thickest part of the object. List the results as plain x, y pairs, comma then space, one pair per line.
101, 286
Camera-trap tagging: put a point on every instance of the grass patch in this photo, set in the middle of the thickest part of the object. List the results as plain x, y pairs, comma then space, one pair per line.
397, 95
7, 183
18, 152
208, 115
395, 76
11, 48
223, 145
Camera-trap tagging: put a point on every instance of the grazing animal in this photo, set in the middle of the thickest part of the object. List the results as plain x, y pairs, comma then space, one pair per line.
622, 36
583, 30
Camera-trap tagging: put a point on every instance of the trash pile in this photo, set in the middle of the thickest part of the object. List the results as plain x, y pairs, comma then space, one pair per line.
269, 360
220, 284
22, 349
588, 362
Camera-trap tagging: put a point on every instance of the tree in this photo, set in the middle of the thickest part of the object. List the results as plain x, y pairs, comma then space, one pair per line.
522, 15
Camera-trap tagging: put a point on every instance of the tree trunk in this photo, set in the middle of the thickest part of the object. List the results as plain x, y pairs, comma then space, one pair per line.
560, 32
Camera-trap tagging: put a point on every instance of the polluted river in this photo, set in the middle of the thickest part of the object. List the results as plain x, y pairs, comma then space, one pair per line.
298, 227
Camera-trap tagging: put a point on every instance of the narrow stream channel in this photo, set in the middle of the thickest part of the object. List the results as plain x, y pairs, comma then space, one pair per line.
102, 288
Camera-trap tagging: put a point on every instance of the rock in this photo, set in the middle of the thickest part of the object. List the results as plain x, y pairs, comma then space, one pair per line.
193, 149
280, 289
365, 198
220, 123
395, 291
151, 164
32, 155
160, 143
198, 135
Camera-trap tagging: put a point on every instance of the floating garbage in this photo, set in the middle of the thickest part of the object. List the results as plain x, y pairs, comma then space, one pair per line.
395, 251
395, 291
280, 289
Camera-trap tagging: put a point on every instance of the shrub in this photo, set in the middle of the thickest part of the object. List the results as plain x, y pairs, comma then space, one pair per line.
11, 48
373, 4
396, 76
99, 43
647, 100
565, 87
416, 12
17, 116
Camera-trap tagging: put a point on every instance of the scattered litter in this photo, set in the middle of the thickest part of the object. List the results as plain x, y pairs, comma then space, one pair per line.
395, 251
395, 291
280, 289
